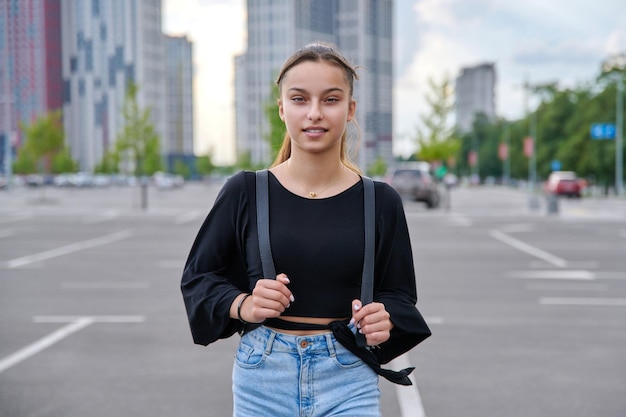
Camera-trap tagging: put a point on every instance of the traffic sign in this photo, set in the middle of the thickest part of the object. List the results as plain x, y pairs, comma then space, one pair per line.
602, 131
556, 165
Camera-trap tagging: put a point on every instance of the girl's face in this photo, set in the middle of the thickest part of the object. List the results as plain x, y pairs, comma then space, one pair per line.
316, 106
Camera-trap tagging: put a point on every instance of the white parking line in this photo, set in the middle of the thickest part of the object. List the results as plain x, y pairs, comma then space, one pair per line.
567, 287
16, 218
554, 274
75, 323
409, 398
583, 301
188, 217
64, 250
531, 250
44, 343
103, 217
106, 285
460, 220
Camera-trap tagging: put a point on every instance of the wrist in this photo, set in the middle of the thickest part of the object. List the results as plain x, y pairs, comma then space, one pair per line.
239, 306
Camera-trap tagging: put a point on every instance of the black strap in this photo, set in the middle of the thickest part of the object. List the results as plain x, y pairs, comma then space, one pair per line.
367, 279
263, 224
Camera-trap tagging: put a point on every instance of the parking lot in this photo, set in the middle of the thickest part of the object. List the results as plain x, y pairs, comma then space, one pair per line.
528, 310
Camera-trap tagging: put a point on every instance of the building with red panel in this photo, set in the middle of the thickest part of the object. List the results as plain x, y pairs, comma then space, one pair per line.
31, 82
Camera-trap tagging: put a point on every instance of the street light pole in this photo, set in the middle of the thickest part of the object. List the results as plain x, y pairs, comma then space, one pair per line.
7, 105
533, 201
619, 138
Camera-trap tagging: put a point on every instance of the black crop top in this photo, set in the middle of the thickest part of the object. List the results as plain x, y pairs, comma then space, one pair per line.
319, 244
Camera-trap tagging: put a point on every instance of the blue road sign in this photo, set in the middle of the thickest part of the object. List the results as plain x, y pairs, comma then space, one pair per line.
602, 131
556, 165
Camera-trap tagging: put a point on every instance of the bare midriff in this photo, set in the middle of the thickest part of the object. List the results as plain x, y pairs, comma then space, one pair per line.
312, 320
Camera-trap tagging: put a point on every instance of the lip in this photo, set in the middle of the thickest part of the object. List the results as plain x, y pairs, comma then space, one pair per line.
314, 131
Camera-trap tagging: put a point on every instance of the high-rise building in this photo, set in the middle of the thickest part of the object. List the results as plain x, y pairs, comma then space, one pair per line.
361, 29
106, 45
475, 93
30, 64
179, 69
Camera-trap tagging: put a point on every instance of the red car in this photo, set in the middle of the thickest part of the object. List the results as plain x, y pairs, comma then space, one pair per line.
564, 183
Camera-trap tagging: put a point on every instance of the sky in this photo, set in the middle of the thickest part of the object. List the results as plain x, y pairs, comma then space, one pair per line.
537, 41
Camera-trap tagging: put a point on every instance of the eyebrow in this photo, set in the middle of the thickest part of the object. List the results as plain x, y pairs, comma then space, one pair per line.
328, 90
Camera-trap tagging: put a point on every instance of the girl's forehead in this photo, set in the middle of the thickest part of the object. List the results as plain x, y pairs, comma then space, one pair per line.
314, 72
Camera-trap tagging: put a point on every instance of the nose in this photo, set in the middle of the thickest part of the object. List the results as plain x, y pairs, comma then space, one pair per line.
315, 112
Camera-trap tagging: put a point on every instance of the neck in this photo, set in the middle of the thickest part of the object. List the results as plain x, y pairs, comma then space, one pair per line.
314, 174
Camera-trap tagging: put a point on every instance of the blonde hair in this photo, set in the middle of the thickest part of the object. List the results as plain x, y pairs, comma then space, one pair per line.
319, 52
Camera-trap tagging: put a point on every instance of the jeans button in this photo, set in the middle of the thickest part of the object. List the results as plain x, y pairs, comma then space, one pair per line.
304, 344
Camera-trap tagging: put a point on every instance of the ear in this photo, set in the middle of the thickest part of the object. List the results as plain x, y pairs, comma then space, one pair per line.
351, 109
281, 113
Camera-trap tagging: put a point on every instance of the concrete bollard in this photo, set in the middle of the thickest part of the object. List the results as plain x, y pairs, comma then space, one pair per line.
552, 203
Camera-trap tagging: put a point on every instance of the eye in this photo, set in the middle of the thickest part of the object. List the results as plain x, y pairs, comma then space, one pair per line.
332, 99
297, 99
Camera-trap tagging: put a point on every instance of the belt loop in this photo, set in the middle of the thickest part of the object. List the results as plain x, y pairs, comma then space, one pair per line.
270, 341
330, 344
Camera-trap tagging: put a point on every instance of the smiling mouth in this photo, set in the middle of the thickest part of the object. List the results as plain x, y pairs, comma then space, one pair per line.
315, 130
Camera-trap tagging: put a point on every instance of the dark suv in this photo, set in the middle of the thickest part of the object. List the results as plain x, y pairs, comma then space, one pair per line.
416, 183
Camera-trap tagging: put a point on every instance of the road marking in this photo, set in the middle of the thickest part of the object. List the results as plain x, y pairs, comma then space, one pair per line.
171, 264
460, 220
6, 233
553, 274
434, 320
517, 228
65, 250
103, 217
409, 397
531, 250
44, 342
188, 217
95, 319
583, 301
568, 287
16, 218
107, 285
74, 324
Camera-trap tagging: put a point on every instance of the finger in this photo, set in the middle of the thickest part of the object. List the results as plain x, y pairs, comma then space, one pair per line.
272, 291
356, 306
285, 280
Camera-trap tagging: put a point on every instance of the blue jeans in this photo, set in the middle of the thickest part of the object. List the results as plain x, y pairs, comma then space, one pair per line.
281, 375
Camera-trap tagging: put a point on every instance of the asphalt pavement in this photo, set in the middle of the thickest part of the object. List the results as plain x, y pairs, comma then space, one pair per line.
527, 308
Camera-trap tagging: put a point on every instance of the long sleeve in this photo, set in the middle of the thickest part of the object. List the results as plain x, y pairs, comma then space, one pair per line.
215, 271
395, 285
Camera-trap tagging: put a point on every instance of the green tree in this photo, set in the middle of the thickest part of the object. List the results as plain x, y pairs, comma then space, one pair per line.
138, 141
63, 162
181, 168
204, 164
109, 163
276, 132
44, 139
26, 162
437, 140
377, 168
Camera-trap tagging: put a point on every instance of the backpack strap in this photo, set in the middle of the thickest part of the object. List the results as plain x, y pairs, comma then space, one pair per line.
367, 279
263, 224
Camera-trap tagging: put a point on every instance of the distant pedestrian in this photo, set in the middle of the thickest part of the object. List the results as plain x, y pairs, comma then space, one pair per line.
297, 354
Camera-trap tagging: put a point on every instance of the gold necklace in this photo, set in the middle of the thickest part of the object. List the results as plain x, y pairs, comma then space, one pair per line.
312, 194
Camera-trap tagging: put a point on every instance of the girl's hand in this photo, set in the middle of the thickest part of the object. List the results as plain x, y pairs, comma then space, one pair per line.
269, 299
373, 321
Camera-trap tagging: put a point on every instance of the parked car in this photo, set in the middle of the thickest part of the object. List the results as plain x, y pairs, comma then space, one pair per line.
416, 183
564, 183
